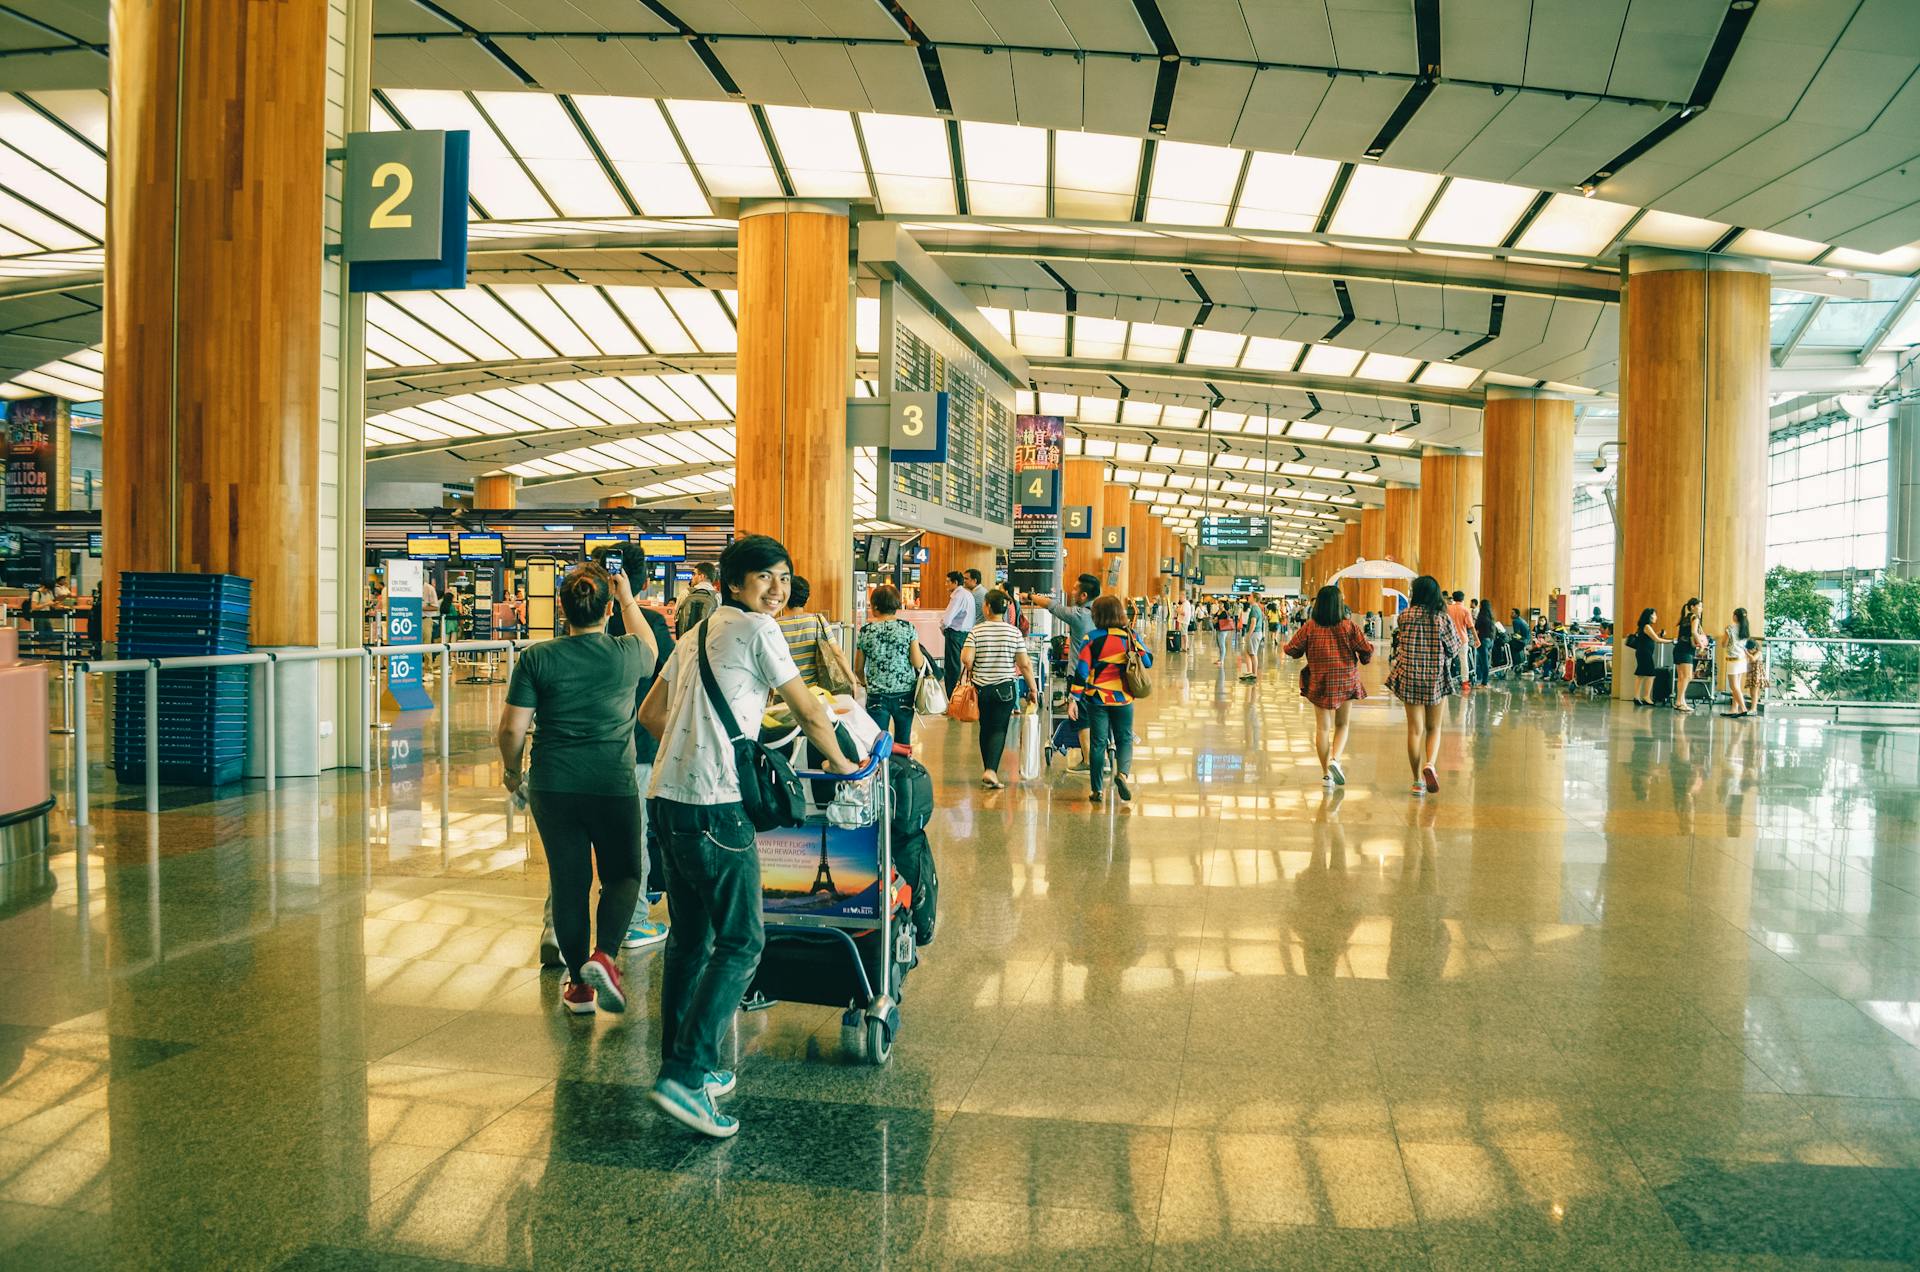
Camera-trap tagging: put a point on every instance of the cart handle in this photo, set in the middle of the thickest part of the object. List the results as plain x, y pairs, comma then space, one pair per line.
882, 747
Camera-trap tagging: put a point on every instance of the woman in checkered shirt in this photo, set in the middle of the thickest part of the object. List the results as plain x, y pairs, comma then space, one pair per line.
1334, 650
1426, 655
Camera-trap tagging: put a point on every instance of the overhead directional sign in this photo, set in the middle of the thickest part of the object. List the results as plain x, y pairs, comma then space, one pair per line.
917, 427
406, 211
1113, 539
1076, 522
1234, 533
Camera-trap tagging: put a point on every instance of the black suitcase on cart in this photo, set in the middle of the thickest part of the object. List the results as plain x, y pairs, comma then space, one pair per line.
1173, 642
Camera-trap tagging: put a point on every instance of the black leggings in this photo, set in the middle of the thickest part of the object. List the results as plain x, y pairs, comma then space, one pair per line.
994, 716
580, 831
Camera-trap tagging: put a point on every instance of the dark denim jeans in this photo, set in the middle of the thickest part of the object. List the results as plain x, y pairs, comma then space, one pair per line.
715, 939
894, 709
1107, 722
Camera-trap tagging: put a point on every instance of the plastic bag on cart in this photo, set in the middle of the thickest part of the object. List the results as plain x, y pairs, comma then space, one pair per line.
1032, 744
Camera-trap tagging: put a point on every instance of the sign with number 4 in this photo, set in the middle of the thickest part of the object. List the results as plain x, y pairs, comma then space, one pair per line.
1037, 489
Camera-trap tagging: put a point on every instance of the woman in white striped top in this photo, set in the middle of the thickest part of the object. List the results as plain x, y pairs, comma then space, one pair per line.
994, 658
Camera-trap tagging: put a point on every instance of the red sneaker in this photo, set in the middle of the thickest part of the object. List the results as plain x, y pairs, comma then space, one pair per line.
577, 997
605, 979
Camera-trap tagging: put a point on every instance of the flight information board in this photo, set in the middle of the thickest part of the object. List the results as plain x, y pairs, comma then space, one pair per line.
971, 493
1234, 534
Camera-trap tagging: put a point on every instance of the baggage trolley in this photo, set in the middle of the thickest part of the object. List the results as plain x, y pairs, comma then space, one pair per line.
842, 940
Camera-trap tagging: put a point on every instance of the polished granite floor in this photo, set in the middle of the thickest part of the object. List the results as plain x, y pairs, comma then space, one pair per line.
1634, 991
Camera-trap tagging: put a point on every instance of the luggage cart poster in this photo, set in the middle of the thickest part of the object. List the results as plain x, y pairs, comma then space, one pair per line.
821, 871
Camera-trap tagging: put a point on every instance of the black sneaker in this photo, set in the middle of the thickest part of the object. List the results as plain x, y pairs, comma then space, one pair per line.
1095, 797
1125, 788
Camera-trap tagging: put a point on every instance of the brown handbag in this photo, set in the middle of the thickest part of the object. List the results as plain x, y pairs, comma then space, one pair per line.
1133, 672
964, 705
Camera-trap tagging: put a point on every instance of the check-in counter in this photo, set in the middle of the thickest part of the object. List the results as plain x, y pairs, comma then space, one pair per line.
25, 796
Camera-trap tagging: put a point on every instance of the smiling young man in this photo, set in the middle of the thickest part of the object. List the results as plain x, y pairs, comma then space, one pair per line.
713, 871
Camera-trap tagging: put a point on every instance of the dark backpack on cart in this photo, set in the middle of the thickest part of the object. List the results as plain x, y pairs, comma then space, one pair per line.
912, 852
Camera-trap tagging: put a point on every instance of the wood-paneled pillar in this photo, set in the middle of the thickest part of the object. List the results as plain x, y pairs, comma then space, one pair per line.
1371, 545
500, 492
1449, 490
213, 317
1114, 502
1141, 562
608, 501
1403, 535
1081, 481
1526, 536
794, 476
1694, 420
944, 552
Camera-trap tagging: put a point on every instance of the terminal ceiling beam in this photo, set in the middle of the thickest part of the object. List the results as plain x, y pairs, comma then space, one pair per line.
391, 388
516, 448
1200, 375
626, 478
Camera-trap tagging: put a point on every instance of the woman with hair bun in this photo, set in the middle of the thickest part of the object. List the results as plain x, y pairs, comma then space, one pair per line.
579, 688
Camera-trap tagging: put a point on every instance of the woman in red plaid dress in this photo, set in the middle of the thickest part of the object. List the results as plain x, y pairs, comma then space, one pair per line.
1334, 648
1426, 654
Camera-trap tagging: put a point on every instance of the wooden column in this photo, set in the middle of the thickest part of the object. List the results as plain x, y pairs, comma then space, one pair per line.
1081, 481
1141, 562
1694, 419
1449, 488
1372, 545
1526, 534
944, 552
213, 317
501, 493
609, 501
1114, 502
1403, 533
794, 471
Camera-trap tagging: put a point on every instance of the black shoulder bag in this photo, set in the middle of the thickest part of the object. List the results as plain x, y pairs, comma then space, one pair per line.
770, 794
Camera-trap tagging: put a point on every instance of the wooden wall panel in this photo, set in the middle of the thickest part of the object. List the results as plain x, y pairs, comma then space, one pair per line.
944, 552
792, 391
1081, 481
501, 493
1693, 497
1141, 561
213, 323
1403, 527
1449, 487
1115, 500
1371, 544
1527, 532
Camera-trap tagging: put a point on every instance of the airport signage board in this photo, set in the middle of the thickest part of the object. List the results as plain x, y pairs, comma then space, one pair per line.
917, 427
405, 595
663, 547
1076, 522
405, 215
1113, 539
1033, 562
38, 429
1235, 533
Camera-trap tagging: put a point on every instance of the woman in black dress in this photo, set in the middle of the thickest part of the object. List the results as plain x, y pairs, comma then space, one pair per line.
1645, 637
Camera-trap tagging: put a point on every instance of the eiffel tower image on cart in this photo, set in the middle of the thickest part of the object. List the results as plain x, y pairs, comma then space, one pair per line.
823, 877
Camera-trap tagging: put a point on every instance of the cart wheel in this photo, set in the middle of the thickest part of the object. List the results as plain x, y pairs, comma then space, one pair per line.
879, 1042
853, 1034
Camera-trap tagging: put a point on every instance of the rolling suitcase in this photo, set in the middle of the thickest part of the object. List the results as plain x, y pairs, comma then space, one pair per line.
1173, 642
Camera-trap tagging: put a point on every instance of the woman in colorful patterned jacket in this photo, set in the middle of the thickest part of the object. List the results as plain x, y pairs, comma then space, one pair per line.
1100, 696
1334, 648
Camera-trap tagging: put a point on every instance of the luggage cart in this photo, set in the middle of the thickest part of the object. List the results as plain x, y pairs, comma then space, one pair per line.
843, 941
1051, 709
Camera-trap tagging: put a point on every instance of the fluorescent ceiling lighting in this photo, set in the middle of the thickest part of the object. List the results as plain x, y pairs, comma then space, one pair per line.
1383, 203
1006, 168
726, 147
1094, 175
821, 152
1575, 226
636, 140
1331, 360
1284, 192
912, 168
1192, 184
1670, 229
1475, 213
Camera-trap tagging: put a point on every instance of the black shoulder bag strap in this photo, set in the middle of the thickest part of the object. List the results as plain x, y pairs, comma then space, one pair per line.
712, 685
770, 794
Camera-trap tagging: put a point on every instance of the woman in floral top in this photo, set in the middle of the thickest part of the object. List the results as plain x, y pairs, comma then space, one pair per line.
1334, 650
887, 660
1100, 696
1426, 655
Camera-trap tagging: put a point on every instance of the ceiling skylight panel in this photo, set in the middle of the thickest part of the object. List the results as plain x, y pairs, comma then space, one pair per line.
1575, 226
1181, 417
644, 411
631, 405
1153, 342
1331, 360
912, 167
1670, 229
1099, 410
539, 312
1163, 455
494, 177
377, 436
581, 394
82, 109
394, 350
1393, 440
725, 387
1215, 348
387, 315
1901, 260
1070, 445
726, 147
486, 312
694, 392
1307, 429
501, 419
37, 227
1131, 452
1100, 448
1094, 175
1099, 337
1065, 405
1264, 353
1387, 366
457, 411
432, 309
57, 385
1192, 184
400, 423
1383, 203
1475, 213
1000, 320
594, 314
820, 151
1006, 167
665, 399
1778, 247
1134, 411
699, 310
1284, 192
635, 138
522, 402
1025, 402
557, 405
1352, 436
866, 325
653, 318
538, 130
55, 194
1041, 334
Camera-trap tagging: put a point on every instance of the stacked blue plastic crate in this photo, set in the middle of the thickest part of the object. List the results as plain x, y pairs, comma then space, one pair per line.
202, 711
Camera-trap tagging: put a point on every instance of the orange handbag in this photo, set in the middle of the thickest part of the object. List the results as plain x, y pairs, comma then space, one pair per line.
965, 704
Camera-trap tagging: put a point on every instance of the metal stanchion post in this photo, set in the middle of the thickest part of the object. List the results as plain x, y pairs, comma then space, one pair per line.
80, 755
446, 703
153, 735
273, 722
367, 664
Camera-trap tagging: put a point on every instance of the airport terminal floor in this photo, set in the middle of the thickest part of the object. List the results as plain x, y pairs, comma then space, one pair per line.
1632, 990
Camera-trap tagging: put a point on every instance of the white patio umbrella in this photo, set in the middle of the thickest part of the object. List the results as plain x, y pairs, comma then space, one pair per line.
1379, 569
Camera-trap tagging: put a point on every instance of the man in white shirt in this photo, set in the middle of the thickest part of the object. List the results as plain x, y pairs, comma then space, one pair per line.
713, 872
962, 612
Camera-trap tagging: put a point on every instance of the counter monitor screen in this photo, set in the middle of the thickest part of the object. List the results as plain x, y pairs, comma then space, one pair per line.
479, 545
663, 547
589, 542
434, 547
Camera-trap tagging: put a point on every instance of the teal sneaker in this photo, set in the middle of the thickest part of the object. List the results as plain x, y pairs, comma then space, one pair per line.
719, 1082
642, 933
692, 1109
